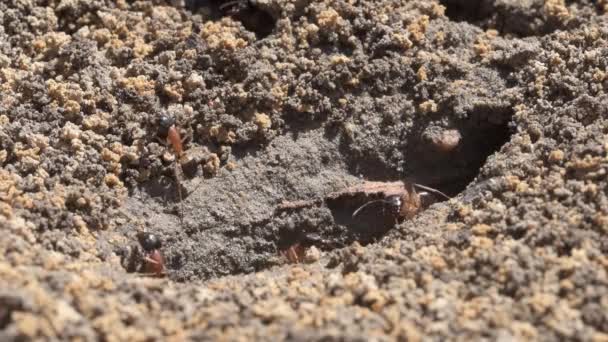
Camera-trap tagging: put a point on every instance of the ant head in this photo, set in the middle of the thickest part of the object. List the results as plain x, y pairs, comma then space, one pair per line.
165, 121
149, 241
394, 202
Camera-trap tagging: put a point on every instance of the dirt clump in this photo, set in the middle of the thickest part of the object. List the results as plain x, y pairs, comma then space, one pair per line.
279, 101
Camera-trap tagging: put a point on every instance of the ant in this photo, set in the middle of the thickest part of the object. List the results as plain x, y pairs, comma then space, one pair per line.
153, 259
294, 253
168, 131
406, 203
302, 250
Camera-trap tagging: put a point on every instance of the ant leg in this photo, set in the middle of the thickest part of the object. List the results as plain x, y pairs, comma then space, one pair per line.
148, 259
179, 193
295, 254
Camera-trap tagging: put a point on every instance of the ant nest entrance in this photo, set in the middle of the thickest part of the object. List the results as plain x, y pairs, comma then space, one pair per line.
359, 213
447, 160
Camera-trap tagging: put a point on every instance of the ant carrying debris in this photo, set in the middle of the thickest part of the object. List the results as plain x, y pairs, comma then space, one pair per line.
153, 261
402, 199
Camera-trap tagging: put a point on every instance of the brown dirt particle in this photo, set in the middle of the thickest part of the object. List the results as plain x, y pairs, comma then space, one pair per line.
556, 156
112, 180
141, 49
447, 140
422, 74
108, 155
222, 134
482, 242
193, 82
312, 254
262, 121
231, 166
557, 9
481, 229
418, 28
212, 165
329, 20
428, 106
141, 85
174, 92
222, 35
339, 59
403, 41
70, 131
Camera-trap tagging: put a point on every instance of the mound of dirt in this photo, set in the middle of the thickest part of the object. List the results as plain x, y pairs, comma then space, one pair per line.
284, 107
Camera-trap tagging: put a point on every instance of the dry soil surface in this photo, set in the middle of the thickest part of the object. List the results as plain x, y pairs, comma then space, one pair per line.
502, 104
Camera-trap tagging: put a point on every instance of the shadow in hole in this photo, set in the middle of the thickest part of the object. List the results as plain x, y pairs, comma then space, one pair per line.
452, 171
468, 10
253, 18
375, 215
370, 224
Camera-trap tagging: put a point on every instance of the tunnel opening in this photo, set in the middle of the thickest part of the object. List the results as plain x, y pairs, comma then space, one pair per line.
468, 11
449, 158
519, 19
363, 212
254, 18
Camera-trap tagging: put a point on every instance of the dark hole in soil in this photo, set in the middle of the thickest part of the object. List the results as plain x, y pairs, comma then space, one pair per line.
253, 18
486, 130
450, 172
375, 215
471, 11
521, 19
8, 304
370, 223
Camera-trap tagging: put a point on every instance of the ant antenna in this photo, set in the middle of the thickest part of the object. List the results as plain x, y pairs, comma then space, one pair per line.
229, 4
179, 193
432, 190
367, 204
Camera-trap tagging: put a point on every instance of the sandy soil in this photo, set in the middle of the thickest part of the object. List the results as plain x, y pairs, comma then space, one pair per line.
502, 104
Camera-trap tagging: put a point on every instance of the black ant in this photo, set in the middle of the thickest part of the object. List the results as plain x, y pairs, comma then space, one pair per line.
153, 259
